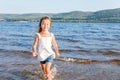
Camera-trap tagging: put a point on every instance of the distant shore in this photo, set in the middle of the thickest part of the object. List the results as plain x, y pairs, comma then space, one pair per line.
102, 16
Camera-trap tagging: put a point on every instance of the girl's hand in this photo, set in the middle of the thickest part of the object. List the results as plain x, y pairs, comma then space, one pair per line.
34, 54
57, 55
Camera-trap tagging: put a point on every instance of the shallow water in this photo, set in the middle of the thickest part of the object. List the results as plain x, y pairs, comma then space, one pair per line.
17, 65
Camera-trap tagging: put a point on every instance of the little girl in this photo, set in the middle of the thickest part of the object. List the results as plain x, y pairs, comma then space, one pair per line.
45, 39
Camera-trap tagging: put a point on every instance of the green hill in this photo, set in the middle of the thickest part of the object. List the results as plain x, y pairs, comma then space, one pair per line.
74, 16
110, 15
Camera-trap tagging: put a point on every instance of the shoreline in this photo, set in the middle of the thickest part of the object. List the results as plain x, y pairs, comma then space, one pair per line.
17, 65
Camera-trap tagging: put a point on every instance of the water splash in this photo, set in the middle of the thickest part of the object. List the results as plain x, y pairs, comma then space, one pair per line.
54, 71
78, 60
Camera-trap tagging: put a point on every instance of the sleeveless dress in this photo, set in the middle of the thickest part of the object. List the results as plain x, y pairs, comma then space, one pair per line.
45, 47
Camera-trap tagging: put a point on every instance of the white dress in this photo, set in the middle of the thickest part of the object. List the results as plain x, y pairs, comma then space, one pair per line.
45, 47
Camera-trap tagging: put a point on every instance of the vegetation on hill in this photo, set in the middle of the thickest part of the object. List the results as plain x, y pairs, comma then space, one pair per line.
111, 15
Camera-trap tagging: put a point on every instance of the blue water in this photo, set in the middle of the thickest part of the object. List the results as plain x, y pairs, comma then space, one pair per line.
99, 41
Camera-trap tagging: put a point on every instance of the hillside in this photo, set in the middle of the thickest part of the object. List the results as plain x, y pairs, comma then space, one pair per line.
111, 15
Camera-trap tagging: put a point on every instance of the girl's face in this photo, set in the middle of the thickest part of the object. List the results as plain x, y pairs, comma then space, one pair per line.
45, 25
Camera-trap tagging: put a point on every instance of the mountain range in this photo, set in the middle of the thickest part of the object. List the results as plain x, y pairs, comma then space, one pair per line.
108, 16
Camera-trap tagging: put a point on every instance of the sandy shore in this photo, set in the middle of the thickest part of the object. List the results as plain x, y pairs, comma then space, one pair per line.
21, 66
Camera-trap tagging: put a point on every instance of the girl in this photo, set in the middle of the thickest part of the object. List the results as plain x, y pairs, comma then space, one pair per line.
45, 39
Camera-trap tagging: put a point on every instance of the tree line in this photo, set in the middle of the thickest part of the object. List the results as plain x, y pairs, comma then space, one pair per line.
110, 15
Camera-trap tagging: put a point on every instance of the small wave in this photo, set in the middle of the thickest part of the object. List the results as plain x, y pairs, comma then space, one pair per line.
116, 61
65, 50
78, 60
108, 52
28, 54
69, 40
3, 39
84, 51
88, 61
71, 50
20, 52
19, 35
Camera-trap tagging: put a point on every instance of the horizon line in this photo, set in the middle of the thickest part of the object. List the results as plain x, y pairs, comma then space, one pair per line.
55, 12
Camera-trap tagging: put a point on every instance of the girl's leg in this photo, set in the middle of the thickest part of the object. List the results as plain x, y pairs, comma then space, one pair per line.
47, 70
43, 68
44, 76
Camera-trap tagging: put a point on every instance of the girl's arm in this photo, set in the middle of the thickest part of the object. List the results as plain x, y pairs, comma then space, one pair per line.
34, 52
55, 46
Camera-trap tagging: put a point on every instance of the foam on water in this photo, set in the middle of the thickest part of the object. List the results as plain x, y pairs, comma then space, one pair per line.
54, 71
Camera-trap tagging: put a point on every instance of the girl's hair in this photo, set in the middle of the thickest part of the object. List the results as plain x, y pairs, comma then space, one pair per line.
43, 18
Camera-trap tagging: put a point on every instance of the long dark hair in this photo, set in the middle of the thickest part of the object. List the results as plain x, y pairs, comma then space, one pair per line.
43, 18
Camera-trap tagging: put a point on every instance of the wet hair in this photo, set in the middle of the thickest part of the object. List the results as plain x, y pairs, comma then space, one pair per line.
43, 18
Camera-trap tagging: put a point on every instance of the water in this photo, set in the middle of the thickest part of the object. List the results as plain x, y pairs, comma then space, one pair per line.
98, 41
79, 43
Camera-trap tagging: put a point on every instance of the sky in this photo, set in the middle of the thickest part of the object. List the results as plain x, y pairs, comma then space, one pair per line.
55, 6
